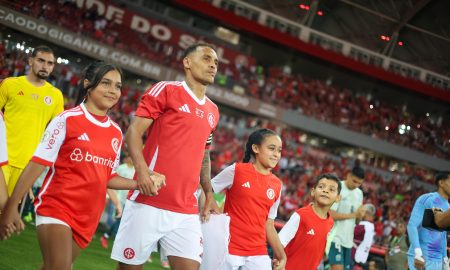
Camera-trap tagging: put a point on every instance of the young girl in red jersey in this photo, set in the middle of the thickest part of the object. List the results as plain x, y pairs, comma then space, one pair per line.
252, 199
82, 148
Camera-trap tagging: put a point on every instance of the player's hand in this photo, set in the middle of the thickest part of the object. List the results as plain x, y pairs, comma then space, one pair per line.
119, 211
210, 207
10, 222
446, 264
419, 263
278, 264
360, 212
159, 180
145, 183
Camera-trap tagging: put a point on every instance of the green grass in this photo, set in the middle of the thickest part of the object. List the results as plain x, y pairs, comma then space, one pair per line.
22, 253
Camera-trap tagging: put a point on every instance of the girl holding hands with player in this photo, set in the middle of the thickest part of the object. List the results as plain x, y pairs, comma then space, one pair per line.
252, 199
82, 148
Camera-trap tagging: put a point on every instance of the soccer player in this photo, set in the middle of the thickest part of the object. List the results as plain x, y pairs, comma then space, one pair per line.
82, 148
3, 161
428, 248
304, 236
178, 119
252, 199
29, 103
442, 219
346, 213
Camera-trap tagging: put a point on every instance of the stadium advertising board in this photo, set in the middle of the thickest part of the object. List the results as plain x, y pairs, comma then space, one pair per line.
133, 63
160, 30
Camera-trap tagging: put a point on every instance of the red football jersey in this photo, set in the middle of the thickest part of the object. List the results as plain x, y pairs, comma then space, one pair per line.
304, 237
251, 198
175, 146
82, 154
3, 147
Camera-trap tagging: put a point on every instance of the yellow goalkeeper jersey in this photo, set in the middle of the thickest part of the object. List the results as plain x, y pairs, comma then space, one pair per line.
27, 111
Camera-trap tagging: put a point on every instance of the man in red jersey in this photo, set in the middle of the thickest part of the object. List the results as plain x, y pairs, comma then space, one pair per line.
305, 234
179, 120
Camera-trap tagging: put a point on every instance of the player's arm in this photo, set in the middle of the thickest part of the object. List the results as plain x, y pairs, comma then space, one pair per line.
442, 219
414, 222
278, 249
147, 183
341, 216
10, 220
205, 182
3, 93
115, 201
289, 229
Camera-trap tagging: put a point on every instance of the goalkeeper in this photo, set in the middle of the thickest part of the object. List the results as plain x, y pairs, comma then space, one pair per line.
428, 249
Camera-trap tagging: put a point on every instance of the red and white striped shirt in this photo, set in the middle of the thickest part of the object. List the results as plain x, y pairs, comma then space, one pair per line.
82, 153
175, 146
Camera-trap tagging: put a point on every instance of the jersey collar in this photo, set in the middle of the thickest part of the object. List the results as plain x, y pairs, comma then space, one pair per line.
92, 118
189, 91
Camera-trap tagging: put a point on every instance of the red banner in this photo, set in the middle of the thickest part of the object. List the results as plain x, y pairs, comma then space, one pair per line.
161, 31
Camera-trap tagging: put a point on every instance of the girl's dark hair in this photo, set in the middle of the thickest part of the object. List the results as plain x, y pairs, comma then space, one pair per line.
257, 137
94, 74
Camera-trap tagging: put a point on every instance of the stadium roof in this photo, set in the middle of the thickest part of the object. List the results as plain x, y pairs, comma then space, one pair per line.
418, 30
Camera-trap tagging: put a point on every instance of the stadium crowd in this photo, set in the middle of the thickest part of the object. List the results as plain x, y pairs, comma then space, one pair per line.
358, 112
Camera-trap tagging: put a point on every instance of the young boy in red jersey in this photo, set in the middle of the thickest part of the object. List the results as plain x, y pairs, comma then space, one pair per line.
304, 236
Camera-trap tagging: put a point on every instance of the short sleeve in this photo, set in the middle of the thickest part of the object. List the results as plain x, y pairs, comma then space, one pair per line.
117, 161
224, 180
153, 102
3, 147
3, 93
274, 209
289, 229
59, 108
54, 136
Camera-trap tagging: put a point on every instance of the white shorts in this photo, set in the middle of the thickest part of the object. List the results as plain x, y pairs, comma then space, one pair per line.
142, 226
259, 262
216, 236
49, 220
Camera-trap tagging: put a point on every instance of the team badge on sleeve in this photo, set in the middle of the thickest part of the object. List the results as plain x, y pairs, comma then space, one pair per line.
270, 193
115, 145
211, 120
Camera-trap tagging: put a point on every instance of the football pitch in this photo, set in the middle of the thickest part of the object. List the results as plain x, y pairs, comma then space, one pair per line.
22, 253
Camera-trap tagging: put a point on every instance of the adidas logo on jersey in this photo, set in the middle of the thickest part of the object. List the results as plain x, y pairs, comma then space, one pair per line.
20, 93
311, 232
246, 184
84, 137
184, 108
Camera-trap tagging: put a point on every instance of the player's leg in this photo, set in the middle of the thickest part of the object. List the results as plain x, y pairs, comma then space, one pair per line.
347, 257
138, 235
180, 263
184, 244
261, 262
55, 241
335, 258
